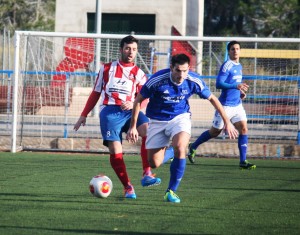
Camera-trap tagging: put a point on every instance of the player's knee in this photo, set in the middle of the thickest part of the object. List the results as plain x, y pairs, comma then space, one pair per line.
154, 164
244, 131
214, 132
180, 151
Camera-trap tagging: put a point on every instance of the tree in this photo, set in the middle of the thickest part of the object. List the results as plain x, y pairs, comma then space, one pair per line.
278, 18
27, 15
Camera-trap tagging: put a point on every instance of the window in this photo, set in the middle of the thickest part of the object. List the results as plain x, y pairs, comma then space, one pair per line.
124, 23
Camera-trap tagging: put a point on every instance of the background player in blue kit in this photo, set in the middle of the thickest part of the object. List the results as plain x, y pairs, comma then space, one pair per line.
168, 109
233, 91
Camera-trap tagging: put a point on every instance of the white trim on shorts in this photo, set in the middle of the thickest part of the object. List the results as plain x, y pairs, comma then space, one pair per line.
235, 114
160, 132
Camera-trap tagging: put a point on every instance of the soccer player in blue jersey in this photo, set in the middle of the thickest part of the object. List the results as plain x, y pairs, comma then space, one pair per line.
168, 109
233, 91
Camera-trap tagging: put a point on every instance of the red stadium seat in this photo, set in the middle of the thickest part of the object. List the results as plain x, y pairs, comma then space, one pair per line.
79, 53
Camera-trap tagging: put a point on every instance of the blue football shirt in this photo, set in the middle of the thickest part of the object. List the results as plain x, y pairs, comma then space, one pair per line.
168, 99
230, 75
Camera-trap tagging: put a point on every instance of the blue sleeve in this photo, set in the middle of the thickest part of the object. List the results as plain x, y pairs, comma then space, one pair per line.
201, 89
205, 93
221, 81
221, 84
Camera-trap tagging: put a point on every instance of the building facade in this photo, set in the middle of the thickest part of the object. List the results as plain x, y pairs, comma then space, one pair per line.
125, 16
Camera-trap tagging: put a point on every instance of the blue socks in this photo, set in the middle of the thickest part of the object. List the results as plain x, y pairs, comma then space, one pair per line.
243, 144
205, 136
177, 169
168, 154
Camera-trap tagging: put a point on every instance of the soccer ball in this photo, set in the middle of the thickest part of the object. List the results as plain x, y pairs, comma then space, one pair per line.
101, 186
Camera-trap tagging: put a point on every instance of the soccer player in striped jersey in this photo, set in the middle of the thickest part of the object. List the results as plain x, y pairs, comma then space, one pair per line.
168, 109
117, 85
233, 91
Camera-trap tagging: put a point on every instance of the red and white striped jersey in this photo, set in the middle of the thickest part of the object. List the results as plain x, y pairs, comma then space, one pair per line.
118, 82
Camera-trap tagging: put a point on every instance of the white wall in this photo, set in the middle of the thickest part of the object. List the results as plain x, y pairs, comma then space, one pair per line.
71, 15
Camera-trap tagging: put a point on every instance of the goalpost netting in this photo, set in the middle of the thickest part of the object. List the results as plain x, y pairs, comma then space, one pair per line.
55, 72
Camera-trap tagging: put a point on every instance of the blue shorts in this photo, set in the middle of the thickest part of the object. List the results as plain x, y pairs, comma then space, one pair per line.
114, 121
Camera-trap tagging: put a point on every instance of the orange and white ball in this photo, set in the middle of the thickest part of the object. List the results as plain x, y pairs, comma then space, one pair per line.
101, 186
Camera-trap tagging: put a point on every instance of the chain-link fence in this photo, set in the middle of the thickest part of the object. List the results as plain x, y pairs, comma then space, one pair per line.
56, 74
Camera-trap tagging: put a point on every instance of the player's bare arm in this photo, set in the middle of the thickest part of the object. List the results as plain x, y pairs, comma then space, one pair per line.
230, 129
132, 134
81, 122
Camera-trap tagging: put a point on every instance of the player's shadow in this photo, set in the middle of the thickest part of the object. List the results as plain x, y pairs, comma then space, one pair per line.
258, 189
237, 166
84, 231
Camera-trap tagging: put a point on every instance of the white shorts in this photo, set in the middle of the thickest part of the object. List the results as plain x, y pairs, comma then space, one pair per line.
160, 132
235, 114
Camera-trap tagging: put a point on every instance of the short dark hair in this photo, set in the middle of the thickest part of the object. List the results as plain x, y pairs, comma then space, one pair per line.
180, 59
230, 44
128, 40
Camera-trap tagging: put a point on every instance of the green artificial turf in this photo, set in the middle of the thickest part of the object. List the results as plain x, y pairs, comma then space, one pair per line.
47, 193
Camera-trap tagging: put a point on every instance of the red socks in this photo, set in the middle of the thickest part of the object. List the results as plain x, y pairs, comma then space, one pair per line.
117, 163
144, 155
